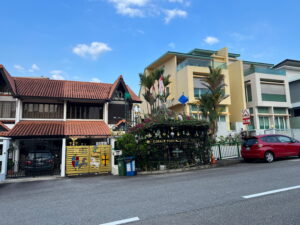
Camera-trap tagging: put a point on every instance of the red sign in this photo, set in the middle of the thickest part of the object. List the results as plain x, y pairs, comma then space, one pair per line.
246, 121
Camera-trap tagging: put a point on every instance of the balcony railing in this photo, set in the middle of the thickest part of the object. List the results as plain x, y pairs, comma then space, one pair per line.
265, 71
201, 63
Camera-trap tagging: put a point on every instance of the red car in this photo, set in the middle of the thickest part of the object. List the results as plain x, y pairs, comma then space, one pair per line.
269, 147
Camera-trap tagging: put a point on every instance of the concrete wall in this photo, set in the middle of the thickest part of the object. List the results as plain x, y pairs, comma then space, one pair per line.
295, 122
236, 84
294, 91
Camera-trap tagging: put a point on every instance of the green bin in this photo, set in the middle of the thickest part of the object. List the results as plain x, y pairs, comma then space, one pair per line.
121, 166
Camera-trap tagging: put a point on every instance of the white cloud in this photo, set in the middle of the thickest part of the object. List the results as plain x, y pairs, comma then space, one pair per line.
172, 45
57, 75
211, 40
172, 13
93, 50
130, 8
19, 68
34, 68
241, 37
95, 79
184, 2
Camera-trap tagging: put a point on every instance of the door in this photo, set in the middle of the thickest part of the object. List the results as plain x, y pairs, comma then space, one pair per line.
287, 146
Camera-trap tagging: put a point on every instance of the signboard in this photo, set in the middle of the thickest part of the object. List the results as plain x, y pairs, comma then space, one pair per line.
246, 116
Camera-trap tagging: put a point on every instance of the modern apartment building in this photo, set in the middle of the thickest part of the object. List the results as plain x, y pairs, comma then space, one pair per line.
267, 96
292, 68
49, 118
187, 71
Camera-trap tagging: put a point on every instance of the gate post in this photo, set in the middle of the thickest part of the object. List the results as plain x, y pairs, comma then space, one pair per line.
63, 158
5, 147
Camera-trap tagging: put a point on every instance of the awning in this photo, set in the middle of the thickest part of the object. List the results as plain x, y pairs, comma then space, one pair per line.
60, 129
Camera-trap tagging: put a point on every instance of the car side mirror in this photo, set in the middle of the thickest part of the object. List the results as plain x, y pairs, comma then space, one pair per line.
293, 141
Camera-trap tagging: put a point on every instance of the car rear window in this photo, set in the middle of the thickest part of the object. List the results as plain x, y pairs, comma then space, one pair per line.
250, 141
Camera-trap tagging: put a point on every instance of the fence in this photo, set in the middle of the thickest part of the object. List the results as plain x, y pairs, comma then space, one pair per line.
227, 150
295, 133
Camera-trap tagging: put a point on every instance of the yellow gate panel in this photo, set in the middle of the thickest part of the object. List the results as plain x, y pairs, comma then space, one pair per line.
78, 159
88, 159
105, 158
95, 159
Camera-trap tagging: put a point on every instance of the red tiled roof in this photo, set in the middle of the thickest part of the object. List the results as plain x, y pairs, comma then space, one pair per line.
8, 78
121, 121
60, 128
4, 126
3, 133
37, 87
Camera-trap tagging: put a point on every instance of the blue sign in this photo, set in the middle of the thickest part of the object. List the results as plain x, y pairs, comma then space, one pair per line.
183, 99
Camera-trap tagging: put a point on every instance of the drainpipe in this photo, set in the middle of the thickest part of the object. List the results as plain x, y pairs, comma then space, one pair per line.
63, 158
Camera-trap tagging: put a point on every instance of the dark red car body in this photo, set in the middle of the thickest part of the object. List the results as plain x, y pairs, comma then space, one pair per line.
272, 145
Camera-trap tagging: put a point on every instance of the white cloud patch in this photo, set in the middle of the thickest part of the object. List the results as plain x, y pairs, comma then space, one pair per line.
57, 75
184, 2
241, 37
173, 13
95, 79
172, 45
132, 8
34, 68
211, 40
19, 68
93, 50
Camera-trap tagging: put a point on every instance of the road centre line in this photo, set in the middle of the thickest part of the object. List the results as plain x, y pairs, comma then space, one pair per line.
129, 220
271, 192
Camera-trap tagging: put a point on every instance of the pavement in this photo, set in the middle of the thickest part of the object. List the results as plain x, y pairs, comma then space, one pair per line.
213, 196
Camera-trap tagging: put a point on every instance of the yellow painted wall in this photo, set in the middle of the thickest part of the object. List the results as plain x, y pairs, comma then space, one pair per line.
236, 82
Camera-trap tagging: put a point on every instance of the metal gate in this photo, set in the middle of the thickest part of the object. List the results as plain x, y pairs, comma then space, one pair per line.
88, 159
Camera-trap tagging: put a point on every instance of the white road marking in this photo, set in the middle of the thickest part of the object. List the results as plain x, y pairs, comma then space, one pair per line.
129, 220
271, 192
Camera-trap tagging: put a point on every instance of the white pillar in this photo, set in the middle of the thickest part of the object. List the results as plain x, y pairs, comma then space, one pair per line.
16, 156
18, 110
63, 158
4, 158
105, 112
65, 110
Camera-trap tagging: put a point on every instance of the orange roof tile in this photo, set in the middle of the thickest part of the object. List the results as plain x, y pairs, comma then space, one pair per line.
60, 128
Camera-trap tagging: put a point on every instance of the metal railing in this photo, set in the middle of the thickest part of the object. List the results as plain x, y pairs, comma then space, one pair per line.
265, 71
226, 150
201, 63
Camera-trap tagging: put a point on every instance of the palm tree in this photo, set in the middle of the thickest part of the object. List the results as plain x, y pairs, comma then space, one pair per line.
210, 102
147, 82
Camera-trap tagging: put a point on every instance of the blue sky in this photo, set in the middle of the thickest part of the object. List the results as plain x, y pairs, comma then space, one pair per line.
100, 39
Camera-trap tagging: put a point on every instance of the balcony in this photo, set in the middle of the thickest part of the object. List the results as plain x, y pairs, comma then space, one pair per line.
265, 71
200, 63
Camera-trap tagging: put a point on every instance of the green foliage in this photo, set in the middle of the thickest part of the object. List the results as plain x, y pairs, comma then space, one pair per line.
151, 93
210, 102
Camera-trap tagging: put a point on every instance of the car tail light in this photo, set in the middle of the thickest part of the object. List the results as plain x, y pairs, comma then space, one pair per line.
28, 162
260, 145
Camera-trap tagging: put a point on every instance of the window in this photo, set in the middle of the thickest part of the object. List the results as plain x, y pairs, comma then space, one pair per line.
251, 125
7, 109
200, 91
84, 111
117, 112
280, 122
264, 122
269, 139
222, 118
273, 91
284, 139
42, 110
248, 93
262, 109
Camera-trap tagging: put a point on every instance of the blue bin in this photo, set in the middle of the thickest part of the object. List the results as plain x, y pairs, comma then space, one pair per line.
130, 166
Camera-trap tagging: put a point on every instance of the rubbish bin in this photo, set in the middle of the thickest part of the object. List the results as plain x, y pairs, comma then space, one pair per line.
130, 166
121, 166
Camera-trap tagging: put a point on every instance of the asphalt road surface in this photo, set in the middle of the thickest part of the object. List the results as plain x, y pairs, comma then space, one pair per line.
241, 194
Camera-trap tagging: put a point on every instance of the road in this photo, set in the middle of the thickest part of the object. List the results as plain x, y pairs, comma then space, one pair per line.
212, 196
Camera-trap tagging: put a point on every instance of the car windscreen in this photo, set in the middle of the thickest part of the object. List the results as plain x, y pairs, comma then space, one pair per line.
250, 141
39, 155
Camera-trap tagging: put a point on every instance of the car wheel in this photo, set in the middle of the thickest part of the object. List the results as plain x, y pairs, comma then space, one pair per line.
269, 157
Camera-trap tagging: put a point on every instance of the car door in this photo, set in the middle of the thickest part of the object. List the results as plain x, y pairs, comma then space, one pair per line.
287, 146
273, 144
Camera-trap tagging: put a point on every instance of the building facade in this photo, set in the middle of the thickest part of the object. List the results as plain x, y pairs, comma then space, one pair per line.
187, 71
292, 68
41, 116
267, 96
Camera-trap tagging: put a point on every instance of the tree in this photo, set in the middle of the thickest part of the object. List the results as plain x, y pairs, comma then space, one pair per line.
151, 94
210, 101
